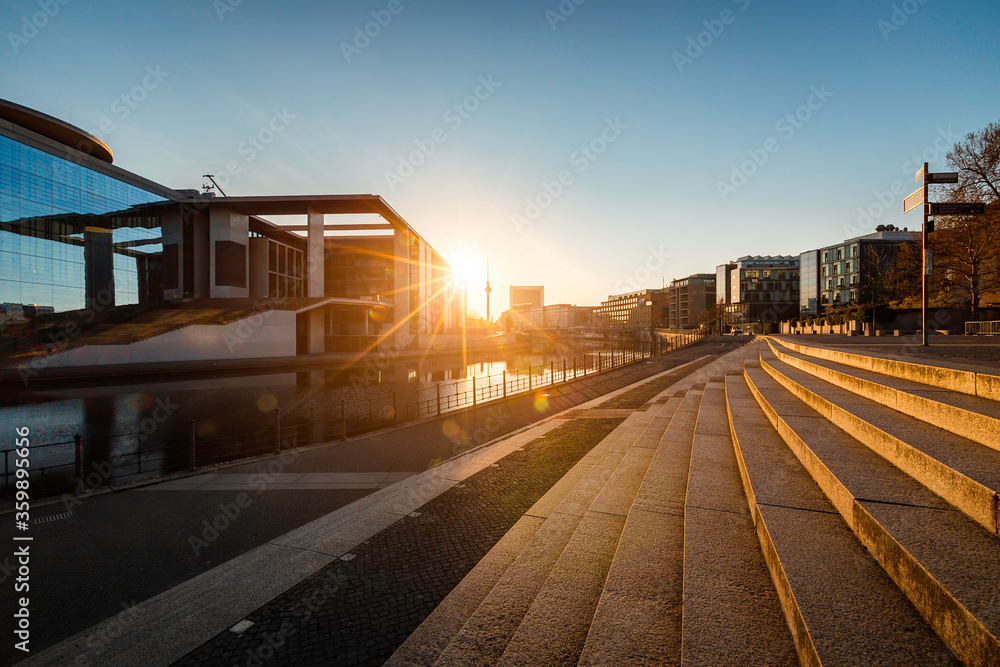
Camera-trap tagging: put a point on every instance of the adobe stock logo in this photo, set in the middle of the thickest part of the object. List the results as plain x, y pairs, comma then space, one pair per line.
30, 25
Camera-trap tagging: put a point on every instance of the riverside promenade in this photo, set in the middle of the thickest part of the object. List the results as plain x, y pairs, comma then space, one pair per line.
129, 545
792, 501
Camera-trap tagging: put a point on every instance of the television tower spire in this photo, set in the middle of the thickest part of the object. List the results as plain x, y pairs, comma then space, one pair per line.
488, 290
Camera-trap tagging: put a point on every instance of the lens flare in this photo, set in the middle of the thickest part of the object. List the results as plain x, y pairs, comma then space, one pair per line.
541, 402
267, 403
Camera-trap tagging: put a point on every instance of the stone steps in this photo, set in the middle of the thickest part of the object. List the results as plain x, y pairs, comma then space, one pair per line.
945, 563
961, 471
486, 633
839, 604
581, 578
731, 613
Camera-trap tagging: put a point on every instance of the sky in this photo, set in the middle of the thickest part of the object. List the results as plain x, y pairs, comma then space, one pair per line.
591, 147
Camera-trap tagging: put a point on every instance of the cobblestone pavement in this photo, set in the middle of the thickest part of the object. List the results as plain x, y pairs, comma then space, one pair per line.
357, 612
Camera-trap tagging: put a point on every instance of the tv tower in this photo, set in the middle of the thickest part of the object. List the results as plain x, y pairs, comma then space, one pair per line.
488, 290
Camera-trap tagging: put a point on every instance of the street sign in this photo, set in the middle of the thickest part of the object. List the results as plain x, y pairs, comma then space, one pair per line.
913, 201
947, 177
921, 173
958, 209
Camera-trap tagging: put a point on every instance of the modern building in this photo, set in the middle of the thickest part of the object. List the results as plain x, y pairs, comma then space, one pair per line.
85, 238
640, 311
762, 290
555, 316
689, 299
526, 296
845, 272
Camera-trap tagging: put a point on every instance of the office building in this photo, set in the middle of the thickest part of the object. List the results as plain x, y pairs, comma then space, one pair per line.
83, 238
689, 299
641, 310
762, 290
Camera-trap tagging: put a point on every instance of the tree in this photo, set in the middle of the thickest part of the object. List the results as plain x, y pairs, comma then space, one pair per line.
967, 248
977, 160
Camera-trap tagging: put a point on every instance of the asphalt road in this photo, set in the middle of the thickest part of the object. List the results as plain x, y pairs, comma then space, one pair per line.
121, 548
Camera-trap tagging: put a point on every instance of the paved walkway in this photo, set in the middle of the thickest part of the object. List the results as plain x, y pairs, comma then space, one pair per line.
133, 546
975, 353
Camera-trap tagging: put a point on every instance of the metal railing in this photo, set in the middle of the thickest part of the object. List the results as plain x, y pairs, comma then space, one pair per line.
61, 466
982, 328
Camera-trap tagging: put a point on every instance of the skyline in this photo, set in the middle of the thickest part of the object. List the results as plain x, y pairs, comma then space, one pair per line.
464, 118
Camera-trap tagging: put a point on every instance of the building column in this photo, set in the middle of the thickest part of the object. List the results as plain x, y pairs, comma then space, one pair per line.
401, 283
229, 236
99, 267
315, 279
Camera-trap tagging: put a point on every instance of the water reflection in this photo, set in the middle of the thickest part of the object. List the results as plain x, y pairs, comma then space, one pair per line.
119, 420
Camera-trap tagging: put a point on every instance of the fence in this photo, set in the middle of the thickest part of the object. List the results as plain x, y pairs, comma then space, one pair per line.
982, 328
131, 457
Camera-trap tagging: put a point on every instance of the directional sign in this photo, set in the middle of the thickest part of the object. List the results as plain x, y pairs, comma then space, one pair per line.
921, 173
913, 201
958, 209
948, 177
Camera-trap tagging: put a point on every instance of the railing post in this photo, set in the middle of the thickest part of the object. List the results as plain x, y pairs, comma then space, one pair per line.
438, 387
192, 447
505, 384
395, 414
564, 371
574, 367
277, 432
78, 449
529, 377
552, 373
343, 419
473, 391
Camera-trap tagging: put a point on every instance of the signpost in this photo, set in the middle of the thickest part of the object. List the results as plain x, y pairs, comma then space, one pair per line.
913, 201
958, 209
920, 197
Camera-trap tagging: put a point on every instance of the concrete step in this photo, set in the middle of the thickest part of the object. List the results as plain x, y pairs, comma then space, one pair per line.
982, 381
731, 612
555, 626
485, 633
946, 564
839, 604
963, 472
969, 416
637, 620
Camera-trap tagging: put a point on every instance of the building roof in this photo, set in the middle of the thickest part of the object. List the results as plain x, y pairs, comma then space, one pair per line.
56, 130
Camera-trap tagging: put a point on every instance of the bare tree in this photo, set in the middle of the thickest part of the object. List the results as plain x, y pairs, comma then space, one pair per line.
967, 248
977, 160
967, 257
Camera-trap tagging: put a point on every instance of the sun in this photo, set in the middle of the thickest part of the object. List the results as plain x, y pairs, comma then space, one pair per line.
466, 269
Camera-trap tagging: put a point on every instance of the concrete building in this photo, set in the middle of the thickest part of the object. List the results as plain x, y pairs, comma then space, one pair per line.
842, 274
80, 235
762, 289
555, 316
526, 296
689, 298
642, 310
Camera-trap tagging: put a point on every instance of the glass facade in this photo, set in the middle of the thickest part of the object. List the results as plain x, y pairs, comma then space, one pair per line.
69, 234
809, 283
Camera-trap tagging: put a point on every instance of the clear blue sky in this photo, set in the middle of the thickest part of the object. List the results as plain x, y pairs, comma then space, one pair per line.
679, 127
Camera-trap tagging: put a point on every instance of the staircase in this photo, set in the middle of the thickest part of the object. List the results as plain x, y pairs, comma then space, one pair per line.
777, 507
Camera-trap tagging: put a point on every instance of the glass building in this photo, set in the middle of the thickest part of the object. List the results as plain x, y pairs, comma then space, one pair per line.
809, 283
72, 236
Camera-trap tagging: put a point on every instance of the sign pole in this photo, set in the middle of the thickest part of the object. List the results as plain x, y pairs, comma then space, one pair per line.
923, 272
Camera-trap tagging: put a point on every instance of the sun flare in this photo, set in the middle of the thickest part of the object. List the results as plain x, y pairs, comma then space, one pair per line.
467, 269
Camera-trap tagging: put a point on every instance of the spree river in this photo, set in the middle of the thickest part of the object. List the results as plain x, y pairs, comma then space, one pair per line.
116, 419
